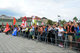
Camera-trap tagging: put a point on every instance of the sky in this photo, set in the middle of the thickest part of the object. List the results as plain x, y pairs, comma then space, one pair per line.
67, 9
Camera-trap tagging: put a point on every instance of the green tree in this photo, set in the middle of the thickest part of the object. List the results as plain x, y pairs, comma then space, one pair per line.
75, 18
50, 22
54, 22
62, 22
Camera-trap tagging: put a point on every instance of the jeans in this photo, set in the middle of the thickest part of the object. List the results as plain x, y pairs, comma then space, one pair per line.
19, 33
51, 39
24, 34
60, 38
46, 39
39, 37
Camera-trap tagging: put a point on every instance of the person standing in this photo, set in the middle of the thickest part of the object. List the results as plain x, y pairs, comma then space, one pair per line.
0, 30
18, 31
60, 35
70, 31
50, 36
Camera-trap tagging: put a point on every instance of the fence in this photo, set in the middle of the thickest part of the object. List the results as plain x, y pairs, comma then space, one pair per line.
53, 38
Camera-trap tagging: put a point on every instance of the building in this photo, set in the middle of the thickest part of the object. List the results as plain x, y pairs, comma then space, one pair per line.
4, 19
44, 20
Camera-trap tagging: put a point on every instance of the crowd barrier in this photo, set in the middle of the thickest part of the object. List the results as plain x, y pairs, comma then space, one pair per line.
53, 38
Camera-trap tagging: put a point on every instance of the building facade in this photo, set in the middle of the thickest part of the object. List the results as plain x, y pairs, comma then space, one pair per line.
4, 19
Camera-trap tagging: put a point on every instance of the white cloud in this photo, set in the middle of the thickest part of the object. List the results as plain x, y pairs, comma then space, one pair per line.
67, 9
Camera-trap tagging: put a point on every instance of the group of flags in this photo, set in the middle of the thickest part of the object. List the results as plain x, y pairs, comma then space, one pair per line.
7, 28
7, 25
23, 24
24, 21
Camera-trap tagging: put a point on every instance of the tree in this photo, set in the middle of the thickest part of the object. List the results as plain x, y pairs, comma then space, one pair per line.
50, 22
62, 22
54, 22
75, 18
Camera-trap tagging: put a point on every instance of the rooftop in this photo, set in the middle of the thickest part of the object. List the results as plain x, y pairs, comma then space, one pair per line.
6, 17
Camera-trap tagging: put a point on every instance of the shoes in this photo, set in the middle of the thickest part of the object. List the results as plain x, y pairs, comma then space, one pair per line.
60, 45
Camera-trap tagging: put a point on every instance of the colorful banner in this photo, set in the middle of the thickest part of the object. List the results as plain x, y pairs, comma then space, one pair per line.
14, 21
34, 21
7, 27
23, 24
14, 32
24, 21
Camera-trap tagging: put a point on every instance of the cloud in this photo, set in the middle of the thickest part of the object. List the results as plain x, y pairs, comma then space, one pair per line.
67, 9
10, 12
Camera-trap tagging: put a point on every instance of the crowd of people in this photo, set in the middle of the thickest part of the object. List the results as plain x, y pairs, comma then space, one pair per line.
51, 33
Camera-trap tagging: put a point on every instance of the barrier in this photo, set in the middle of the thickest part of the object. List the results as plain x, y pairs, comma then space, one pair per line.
55, 39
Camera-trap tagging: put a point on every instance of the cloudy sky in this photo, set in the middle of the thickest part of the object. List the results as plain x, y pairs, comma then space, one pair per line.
67, 9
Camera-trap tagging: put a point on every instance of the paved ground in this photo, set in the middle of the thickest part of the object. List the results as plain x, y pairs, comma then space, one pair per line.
14, 44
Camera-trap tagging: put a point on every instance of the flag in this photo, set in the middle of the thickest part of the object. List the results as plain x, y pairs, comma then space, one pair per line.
14, 21
23, 24
24, 18
24, 21
33, 17
7, 27
14, 32
34, 20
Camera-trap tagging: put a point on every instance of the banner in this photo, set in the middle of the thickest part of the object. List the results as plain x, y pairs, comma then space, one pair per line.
7, 27
14, 21
23, 24
34, 21
14, 32
24, 21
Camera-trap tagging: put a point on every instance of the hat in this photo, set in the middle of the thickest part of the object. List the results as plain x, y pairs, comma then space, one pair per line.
61, 25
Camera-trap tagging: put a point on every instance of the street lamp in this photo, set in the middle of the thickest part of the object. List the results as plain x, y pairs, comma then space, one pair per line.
59, 20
